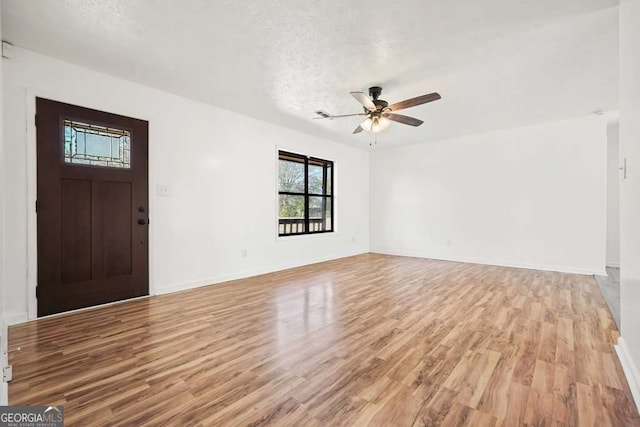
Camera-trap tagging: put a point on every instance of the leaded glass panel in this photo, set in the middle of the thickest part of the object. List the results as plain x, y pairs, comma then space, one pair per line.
94, 145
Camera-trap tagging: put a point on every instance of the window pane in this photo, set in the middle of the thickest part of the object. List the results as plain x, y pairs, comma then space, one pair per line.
328, 222
318, 214
291, 214
291, 176
94, 145
329, 179
315, 179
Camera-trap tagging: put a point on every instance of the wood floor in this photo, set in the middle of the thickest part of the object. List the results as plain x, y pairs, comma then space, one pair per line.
366, 340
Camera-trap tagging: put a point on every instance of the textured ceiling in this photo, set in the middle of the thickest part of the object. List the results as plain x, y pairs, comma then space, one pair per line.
496, 63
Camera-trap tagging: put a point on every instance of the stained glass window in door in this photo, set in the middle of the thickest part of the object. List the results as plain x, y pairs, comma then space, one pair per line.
95, 145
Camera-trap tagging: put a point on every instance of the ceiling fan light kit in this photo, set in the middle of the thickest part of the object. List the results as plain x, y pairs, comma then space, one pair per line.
375, 124
379, 114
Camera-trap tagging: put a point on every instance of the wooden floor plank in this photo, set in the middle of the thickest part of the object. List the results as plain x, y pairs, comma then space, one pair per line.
365, 340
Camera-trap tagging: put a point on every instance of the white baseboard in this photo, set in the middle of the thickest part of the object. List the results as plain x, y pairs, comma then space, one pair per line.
613, 264
15, 318
630, 370
183, 286
558, 268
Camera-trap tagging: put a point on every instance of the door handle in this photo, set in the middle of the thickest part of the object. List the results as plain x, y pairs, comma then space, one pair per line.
623, 168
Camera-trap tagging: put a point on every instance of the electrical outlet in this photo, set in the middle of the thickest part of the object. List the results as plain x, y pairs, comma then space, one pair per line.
163, 190
7, 373
7, 50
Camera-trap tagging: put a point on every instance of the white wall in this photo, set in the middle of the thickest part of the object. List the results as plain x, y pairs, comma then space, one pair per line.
529, 197
221, 169
613, 196
630, 191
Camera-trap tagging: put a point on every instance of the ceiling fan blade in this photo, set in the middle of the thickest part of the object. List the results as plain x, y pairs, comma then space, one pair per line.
325, 115
363, 99
406, 120
407, 103
349, 115
358, 129
322, 114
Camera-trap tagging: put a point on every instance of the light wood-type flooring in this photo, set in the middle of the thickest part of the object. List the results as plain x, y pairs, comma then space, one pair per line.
366, 340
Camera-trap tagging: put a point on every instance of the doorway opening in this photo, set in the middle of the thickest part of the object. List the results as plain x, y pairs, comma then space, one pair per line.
610, 284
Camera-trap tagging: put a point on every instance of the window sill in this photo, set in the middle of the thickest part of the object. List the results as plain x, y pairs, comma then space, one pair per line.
306, 236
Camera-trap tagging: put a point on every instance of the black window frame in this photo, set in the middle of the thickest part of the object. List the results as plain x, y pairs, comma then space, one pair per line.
326, 164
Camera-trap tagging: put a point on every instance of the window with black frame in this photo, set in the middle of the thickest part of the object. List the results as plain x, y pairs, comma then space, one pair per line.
305, 194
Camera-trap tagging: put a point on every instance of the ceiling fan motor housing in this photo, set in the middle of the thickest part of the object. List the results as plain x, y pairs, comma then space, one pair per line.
381, 104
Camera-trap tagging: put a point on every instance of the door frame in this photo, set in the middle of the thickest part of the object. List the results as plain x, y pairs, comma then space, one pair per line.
30, 96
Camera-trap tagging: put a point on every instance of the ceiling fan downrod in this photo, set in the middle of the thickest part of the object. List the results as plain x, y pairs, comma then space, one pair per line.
375, 92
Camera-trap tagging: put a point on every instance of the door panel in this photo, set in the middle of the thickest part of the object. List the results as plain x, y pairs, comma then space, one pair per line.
117, 223
76, 230
92, 207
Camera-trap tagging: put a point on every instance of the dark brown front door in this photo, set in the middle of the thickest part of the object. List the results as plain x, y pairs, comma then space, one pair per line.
92, 207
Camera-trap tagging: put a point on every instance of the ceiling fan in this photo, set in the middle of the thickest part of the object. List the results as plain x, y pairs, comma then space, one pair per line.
379, 113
